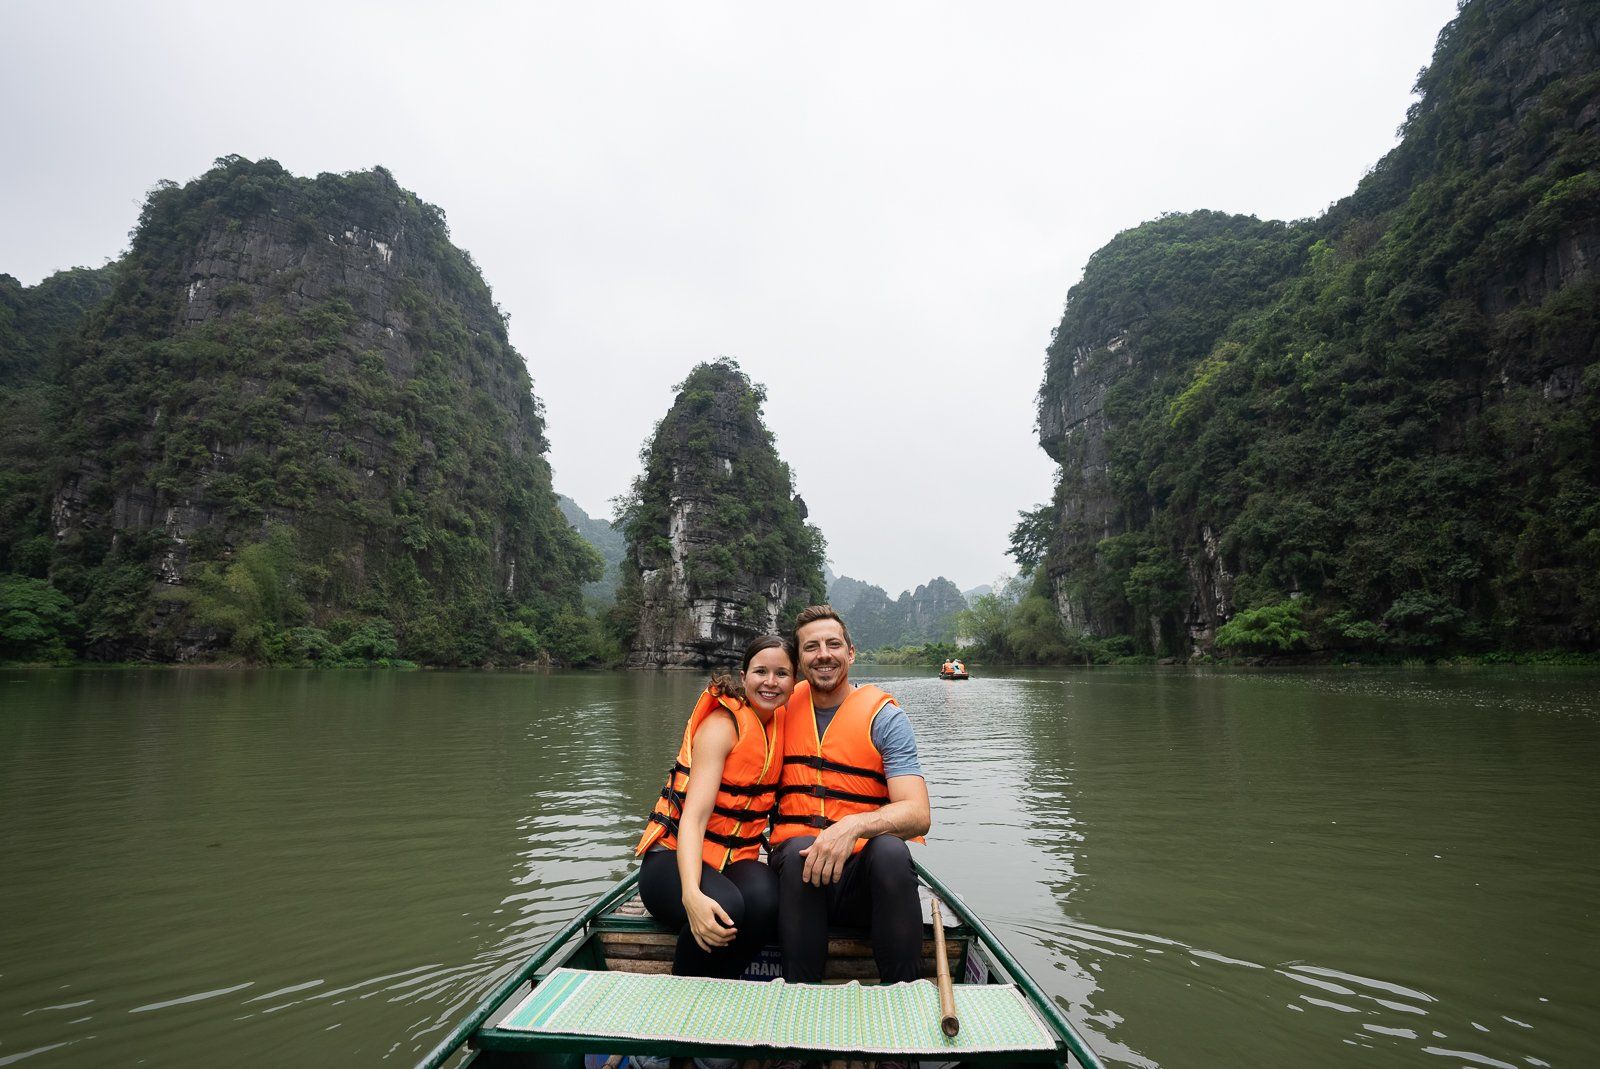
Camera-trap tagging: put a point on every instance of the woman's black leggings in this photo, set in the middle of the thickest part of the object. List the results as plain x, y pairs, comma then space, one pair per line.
746, 890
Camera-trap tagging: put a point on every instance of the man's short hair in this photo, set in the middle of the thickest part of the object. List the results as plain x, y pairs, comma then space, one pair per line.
813, 613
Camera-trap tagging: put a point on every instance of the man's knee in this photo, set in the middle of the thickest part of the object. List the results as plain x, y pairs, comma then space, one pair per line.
890, 848
888, 858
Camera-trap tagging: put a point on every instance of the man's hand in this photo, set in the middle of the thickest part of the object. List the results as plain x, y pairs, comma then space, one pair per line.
825, 858
907, 815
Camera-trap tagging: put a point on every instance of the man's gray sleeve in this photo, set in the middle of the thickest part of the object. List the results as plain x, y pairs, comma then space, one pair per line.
892, 735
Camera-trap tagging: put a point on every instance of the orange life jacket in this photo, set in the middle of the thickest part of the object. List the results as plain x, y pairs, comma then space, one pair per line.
825, 780
947, 667
738, 820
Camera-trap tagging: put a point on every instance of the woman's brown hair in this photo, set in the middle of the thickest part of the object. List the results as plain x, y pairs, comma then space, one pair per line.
728, 683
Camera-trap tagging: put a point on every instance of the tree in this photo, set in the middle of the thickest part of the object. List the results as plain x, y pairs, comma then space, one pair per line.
254, 599
36, 620
1030, 538
984, 624
1268, 629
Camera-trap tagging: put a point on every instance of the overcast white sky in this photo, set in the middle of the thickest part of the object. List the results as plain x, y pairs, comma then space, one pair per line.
877, 208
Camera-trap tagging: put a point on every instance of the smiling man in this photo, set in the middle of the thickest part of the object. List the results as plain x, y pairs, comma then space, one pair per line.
851, 794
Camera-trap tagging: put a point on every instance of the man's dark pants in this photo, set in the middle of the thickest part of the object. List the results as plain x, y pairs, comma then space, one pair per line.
877, 891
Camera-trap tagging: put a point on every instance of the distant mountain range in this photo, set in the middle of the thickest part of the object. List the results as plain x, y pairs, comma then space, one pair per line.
927, 614
606, 540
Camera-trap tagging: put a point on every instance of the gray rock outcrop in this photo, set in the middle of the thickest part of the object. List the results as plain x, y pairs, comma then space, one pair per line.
719, 550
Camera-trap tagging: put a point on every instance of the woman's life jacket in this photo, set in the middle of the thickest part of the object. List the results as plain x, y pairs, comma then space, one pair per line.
827, 779
738, 821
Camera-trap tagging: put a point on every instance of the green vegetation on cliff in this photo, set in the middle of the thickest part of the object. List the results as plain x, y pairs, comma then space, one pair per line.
36, 320
36, 323
295, 430
1389, 413
718, 546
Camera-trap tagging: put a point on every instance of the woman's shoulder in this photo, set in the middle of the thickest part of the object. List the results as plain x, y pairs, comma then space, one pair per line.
719, 721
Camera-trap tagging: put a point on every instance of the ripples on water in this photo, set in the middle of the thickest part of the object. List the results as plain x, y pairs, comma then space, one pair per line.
1205, 824
1310, 869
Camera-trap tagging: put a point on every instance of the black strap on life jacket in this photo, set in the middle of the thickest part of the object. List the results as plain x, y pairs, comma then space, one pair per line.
834, 766
675, 800
674, 797
753, 791
810, 822
817, 790
734, 841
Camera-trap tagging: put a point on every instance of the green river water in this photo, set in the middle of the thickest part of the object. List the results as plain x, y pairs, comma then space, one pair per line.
1206, 868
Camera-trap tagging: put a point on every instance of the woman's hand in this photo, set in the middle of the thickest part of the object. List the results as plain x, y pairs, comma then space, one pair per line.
710, 923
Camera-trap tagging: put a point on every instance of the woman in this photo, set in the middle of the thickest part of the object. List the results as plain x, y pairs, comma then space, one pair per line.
701, 871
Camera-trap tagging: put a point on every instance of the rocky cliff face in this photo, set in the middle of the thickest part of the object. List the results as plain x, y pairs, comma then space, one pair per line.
718, 547
312, 356
1374, 411
1131, 328
36, 322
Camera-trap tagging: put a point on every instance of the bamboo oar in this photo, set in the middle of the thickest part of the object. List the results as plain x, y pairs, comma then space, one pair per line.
941, 964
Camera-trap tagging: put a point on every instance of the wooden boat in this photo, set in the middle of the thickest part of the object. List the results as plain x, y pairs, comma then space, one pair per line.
602, 985
952, 675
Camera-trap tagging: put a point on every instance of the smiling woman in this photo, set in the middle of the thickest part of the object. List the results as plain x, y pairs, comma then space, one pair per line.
701, 870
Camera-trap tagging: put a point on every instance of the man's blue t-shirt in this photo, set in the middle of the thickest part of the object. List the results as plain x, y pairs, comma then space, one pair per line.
891, 734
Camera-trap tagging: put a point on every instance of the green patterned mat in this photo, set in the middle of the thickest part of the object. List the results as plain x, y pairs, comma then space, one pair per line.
898, 1019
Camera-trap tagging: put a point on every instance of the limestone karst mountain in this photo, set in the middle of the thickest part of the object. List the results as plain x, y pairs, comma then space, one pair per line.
296, 427
718, 547
1370, 430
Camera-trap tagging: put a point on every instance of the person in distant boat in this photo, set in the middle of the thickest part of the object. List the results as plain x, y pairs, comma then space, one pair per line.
851, 794
957, 667
947, 667
701, 871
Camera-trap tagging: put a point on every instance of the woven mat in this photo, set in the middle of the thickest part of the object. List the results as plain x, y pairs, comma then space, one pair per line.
897, 1019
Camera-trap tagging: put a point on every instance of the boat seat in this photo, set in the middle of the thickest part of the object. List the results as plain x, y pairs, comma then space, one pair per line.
589, 1005
633, 941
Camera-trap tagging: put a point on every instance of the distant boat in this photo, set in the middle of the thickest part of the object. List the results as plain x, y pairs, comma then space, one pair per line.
952, 675
603, 985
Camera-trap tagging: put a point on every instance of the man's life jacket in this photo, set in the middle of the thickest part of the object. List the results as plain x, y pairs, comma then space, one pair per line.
825, 780
947, 667
738, 819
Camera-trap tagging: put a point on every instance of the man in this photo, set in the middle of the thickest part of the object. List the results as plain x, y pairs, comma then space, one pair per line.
851, 794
